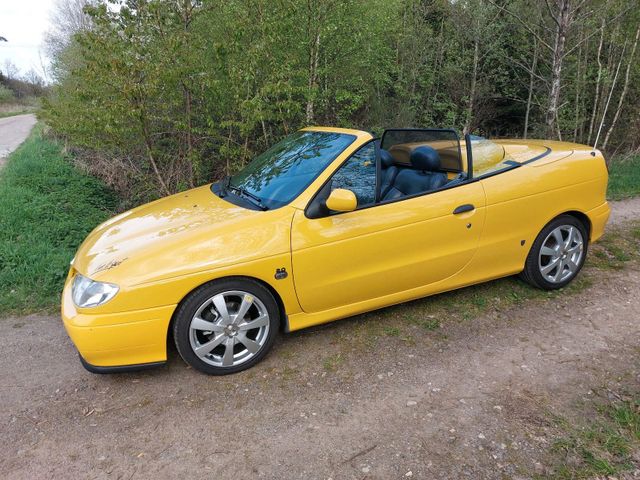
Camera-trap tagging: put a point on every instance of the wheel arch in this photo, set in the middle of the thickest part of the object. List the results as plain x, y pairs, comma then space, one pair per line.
530, 277
582, 217
284, 321
577, 214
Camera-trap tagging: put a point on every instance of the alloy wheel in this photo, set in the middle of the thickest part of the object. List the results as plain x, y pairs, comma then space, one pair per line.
229, 329
561, 254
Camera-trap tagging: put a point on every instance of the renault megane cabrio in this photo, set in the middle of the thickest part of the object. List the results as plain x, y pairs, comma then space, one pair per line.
327, 224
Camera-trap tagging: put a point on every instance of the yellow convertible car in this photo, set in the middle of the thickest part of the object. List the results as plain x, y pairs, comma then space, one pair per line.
327, 224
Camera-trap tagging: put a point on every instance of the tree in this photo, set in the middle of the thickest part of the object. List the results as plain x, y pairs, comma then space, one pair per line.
68, 17
166, 94
187, 90
562, 14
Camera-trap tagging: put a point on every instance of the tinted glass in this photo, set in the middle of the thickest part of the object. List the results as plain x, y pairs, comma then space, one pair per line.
400, 143
281, 173
358, 174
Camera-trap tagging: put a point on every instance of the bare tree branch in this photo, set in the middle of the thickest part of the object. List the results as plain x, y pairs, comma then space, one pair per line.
613, 85
578, 7
527, 69
523, 23
623, 94
555, 19
597, 30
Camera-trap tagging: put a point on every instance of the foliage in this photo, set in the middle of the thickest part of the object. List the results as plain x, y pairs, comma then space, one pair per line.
170, 94
6, 95
22, 88
47, 207
19, 94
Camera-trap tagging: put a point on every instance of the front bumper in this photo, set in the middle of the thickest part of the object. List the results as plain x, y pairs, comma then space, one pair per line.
124, 341
118, 369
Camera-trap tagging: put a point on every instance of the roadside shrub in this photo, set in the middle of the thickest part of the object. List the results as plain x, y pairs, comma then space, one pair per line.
6, 95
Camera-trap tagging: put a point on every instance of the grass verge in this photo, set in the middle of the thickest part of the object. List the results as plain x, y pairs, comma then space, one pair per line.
47, 207
603, 444
619, 246
624, 178
16, 112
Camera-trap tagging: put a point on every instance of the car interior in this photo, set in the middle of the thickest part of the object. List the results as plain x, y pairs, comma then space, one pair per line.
424, 173
414, 162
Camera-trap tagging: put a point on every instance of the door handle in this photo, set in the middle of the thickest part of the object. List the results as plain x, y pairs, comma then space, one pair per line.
463, 208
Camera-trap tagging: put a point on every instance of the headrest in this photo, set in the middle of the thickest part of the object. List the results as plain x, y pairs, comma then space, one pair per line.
425, 158
386, 159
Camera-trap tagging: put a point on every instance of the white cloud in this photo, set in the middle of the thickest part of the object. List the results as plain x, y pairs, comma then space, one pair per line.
23, 23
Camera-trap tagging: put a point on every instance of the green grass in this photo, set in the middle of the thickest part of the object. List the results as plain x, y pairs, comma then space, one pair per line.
16, 112
333, 362
617, 247
392, 331
624, 178
602, 444
47, 207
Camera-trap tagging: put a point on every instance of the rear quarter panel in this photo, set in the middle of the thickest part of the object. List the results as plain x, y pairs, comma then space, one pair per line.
522, 201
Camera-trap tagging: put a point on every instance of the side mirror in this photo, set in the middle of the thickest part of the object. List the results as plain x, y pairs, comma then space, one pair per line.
342, 200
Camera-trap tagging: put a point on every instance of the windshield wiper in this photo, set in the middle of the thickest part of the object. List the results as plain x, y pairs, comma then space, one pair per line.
254, 199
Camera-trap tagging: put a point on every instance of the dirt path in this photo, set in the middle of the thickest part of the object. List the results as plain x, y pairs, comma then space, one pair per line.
625, 210
467, 401
13, 131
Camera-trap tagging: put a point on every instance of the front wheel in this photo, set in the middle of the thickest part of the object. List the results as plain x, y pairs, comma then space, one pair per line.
226, 326
558, 253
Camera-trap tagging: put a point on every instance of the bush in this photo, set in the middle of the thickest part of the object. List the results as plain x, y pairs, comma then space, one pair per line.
6, 95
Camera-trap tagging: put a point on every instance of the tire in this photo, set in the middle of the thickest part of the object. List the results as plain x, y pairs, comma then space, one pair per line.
209, 333
555, 259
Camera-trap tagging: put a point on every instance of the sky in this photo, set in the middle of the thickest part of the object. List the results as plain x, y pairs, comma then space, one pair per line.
23, 23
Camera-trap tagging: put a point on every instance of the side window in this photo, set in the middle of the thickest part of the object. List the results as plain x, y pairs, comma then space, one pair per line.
358, 174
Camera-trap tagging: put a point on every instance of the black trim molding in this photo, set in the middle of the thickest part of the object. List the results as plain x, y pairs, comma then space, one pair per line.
118, 369
542, 155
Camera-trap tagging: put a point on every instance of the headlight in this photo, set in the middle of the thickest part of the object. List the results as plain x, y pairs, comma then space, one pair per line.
88, 293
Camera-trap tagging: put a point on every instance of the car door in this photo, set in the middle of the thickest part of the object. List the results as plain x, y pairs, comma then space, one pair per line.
382, 248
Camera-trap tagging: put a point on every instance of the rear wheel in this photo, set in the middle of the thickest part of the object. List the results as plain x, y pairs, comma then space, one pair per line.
226, 326
558, 253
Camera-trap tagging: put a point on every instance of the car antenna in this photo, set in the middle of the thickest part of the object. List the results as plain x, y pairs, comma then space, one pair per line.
606, 107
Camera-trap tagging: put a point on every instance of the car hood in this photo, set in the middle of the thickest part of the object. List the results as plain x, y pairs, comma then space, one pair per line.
186, 233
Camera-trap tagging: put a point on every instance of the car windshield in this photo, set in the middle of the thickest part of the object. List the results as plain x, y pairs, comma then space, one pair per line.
281, 173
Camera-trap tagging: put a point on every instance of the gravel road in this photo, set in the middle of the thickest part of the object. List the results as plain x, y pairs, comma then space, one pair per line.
13, 131
470, 400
